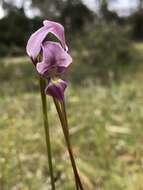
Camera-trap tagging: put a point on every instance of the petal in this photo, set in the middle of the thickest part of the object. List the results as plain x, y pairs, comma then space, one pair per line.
34, 43
49, 55
56, 89
58, 30
53, 53
42, 68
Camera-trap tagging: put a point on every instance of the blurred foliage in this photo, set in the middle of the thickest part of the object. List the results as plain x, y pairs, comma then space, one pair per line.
62, 9
141, 4
106, 14
76, 16
106, 47
136, 21
49, 8
14, 31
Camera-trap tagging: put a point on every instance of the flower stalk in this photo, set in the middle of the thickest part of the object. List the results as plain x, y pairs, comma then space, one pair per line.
61, 110
47, 132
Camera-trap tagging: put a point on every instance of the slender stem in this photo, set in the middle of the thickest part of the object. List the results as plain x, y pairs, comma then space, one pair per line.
47, 132
63, 119
58, 108
63, 108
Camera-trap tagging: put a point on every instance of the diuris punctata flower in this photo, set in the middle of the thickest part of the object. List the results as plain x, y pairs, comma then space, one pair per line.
51, 60
53, 55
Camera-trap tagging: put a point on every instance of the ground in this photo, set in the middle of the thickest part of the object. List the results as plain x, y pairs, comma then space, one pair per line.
105, 125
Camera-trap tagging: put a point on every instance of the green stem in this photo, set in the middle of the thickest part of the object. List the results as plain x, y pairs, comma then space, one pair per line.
63, 119
47, 132
78, 181
58, 108
63, 108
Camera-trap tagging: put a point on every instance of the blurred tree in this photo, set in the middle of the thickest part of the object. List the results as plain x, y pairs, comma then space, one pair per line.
75, 15
106, 14
10, 6
141, 4
106, 48
72, 13
49, 8
15, 29
136, 22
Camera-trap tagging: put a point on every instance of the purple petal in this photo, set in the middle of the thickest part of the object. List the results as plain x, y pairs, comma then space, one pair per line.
34, 43
58, 30
56, 89
54, 54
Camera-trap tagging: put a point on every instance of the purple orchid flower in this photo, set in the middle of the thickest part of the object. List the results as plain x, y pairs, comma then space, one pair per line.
33, 47
55, 60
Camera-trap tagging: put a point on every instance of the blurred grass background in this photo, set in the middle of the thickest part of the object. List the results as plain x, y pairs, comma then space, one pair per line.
104, 102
